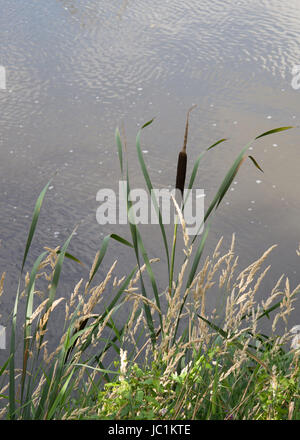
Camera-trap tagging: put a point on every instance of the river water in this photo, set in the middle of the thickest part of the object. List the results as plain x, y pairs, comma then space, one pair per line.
75, 70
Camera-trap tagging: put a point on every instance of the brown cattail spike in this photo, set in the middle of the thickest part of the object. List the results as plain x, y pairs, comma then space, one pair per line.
182, 157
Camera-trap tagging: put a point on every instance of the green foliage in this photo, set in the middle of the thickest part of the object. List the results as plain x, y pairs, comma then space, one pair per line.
278, 393
217, 380
140, 396
199, 392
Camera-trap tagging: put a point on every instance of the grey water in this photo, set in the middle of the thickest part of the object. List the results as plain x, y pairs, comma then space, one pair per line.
75, 70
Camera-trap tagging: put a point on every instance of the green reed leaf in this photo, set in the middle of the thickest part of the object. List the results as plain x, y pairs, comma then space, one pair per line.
275, 130
151, 192
148, 123
255, 163
35, 218
216, 143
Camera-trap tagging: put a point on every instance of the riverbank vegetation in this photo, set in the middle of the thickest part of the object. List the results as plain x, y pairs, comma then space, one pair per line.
171, 358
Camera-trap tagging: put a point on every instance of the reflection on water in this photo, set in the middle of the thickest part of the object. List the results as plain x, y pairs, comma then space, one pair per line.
77, 69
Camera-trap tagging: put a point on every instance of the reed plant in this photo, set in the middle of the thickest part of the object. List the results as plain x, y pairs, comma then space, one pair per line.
171, 358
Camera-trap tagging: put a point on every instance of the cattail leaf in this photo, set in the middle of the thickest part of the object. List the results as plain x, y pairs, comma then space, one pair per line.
12, 402
215, 144
150, 272
255, 163
57, 270
196, 165
198, 256
45, 392
193, 272
225, 335
54, 283
34, 221
112, 304
270, 309
225, 185
28, 312
228, 181
103, 251
152, 194
102, 370
35, 218
275, 130
121, 240
120, 149
60, 397
137, 242
147, 123
195, 169
71, 257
